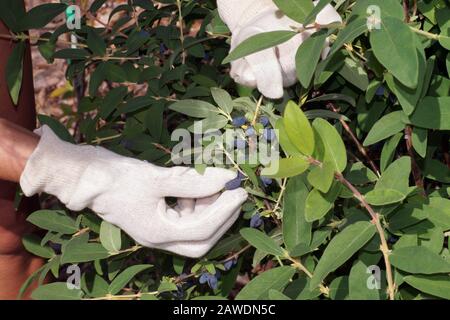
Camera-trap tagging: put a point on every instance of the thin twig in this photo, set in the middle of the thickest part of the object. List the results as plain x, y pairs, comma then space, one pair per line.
355, 140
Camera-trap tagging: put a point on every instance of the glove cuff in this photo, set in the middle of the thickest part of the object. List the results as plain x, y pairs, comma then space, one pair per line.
236, 13
55, 166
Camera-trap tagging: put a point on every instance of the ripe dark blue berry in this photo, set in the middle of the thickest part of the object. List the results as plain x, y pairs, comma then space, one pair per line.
239, 121
233, 184
256, 221
264, 121
266, 181
380, 91
229, 264
250, 132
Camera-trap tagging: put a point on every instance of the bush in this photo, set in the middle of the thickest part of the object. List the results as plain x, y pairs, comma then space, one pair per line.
358, 208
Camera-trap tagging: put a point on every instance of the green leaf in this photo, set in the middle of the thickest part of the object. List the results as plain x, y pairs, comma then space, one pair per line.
389, 149
420, 141
285, 168
381, 197
216, 122
57, 127
112, 99
308, 55
396, 176
297, 10
261, 241
259, 42
223, 99
74, 54
335, 152
354, 29
298, 128
56, 291
432, 113
358, 283
318, 204
386, 127
32, 243
296, 230
286, 144
277, 295
14, 71
195, 108
394, 46
258, 288
53, 220
96, 43
110, 237
354, 73
83, 252
341, 248
439, 209
418, 260
321, 177
11, 12
126, 276
437, 285
39, 16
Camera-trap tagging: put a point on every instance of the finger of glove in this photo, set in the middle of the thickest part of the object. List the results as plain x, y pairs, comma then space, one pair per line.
183, 182
203, 203
267, 71
196, 249
197, 227
242, 73
328, 15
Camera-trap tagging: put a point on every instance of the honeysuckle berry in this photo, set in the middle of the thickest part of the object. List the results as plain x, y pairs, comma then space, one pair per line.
266, 181
250, 132
256, 221
269, 134
233, 184
380, 91
264, 121
228, 265
239, 121
210, 279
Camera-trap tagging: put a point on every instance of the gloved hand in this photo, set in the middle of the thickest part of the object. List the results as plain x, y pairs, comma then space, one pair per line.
130, 194
272, 69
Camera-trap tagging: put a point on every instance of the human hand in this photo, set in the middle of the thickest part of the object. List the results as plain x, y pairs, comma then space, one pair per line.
272, 69
130, 194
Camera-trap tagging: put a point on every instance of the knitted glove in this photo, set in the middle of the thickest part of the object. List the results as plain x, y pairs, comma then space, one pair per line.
130, 194
272, 69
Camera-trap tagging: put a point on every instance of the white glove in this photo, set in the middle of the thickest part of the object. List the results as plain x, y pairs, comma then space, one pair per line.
272, 69
130, 194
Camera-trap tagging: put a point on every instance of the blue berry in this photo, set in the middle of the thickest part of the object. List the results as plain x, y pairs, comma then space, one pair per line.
266, 181
250, 132
240, 144
233, 184
380, 91
229, 264
264, 121
239, 121
256, 221
210, 279
144, 34
240, 175
269, 134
